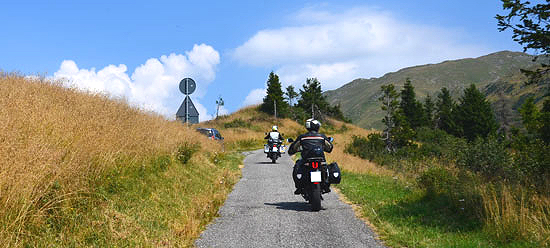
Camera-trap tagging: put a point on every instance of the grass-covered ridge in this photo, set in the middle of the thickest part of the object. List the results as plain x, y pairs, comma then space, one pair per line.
80, 169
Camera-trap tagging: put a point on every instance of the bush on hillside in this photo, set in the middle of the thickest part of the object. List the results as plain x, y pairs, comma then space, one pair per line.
237, 123
366, 148
488, 157
186, 151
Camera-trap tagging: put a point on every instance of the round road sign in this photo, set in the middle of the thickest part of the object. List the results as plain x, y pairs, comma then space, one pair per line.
187, 86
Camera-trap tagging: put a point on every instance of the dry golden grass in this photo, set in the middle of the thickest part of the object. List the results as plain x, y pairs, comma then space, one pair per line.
515, 214
54, 137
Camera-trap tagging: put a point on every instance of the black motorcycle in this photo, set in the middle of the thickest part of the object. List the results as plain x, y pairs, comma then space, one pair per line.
273, 149
316, 176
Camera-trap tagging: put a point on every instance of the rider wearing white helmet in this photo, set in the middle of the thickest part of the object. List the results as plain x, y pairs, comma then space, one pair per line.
274, 135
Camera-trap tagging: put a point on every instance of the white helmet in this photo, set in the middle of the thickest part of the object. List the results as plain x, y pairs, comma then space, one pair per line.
313, 125
274, 129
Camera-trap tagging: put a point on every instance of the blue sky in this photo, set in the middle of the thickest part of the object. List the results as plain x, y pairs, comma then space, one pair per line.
140, 50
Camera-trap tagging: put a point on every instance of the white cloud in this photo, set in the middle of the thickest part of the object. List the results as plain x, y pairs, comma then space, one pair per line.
339, 47
153, 85
255, 96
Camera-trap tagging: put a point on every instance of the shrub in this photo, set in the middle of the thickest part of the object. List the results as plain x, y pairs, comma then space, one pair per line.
488, 157
237, 123
366, 148
186, 151
532, 159
437, 180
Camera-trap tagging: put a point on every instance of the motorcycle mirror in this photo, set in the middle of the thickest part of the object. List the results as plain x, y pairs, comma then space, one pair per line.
265, 133
330, 139
289, 140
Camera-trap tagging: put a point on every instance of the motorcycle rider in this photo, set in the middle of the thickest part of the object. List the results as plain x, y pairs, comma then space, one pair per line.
305, 144
274, 135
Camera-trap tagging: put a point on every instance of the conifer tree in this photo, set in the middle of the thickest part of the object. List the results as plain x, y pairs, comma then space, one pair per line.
429, 109
291, 95
274, 96
444, 107
530, 115
311, 94
397, 132
474, 116
411, 108
390, 106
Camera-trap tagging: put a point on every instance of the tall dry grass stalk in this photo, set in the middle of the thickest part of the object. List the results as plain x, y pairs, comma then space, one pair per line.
513, 214
55, 137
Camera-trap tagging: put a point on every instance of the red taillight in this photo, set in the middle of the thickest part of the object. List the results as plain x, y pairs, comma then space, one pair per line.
316, 183
315, 165
274, 146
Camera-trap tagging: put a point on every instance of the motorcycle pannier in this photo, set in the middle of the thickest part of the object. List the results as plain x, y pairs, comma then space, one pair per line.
334, 175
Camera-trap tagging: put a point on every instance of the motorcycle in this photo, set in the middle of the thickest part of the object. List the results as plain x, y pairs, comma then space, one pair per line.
274, 148
316, 176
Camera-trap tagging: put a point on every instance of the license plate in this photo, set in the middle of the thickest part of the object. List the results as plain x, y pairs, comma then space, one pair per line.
315, 176
275, 149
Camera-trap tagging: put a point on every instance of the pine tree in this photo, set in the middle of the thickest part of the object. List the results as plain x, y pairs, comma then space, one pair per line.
429, 109
474, 116
291, 95
274, 96
411, 108
444, 107
390, 106
311, 94
397, 132
530, 115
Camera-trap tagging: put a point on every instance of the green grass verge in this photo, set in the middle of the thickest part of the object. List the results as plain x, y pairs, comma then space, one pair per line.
158, 203
405, 216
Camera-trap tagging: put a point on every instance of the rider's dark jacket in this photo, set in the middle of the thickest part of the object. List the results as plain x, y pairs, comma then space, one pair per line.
307, 142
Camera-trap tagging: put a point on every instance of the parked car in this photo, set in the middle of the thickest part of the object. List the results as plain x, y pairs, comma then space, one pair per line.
210, 133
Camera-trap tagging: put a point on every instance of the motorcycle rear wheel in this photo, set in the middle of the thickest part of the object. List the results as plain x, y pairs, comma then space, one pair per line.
315, 197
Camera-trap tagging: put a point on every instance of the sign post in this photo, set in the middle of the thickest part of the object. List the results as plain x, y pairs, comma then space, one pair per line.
187, 113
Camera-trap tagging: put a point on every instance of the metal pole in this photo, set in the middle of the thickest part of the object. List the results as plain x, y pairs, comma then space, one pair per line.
186, 101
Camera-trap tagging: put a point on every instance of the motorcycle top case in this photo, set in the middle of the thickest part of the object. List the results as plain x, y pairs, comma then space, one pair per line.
334, 175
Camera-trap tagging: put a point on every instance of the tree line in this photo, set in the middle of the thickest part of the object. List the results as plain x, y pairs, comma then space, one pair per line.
308, 102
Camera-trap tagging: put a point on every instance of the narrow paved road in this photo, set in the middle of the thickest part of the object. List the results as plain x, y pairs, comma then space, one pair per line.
262, 211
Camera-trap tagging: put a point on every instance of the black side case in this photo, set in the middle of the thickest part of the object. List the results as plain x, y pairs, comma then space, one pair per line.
334, 175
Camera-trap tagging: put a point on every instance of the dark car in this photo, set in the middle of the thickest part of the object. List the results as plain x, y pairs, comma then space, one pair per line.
210, 133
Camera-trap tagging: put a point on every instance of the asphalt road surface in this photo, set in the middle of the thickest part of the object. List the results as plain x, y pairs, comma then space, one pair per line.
262, 211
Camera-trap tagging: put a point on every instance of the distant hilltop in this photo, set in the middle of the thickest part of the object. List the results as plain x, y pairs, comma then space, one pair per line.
359, 98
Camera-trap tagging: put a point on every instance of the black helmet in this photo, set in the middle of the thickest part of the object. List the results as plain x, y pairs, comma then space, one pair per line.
313, 125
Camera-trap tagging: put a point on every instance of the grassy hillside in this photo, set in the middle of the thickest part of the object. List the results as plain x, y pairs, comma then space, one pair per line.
508, 94
80, 169
359, 98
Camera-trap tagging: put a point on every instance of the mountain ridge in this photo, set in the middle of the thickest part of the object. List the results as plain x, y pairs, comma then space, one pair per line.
359, 98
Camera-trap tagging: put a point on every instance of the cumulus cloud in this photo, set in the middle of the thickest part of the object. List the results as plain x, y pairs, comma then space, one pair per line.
255, 96
339, 47
154, 84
